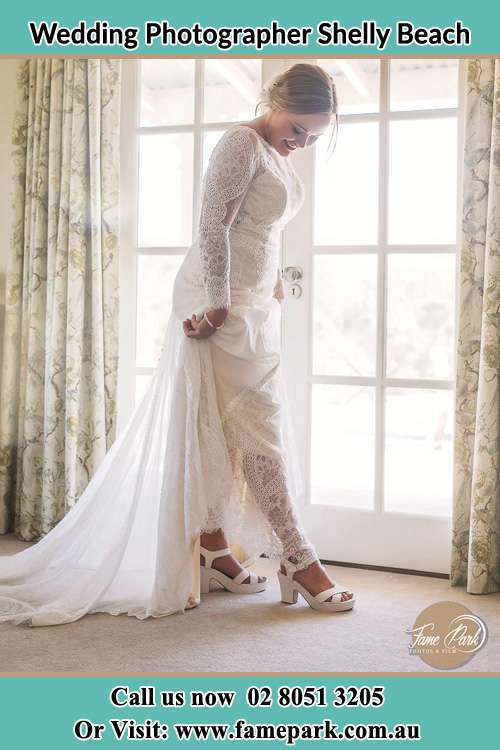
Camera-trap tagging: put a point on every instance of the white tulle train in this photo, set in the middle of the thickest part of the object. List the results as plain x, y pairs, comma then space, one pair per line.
129, 545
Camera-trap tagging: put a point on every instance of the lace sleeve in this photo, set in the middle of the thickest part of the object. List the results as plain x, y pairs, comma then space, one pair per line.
229, 173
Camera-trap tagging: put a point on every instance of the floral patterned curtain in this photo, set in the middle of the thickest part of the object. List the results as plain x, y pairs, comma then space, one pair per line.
60, 356
475, 559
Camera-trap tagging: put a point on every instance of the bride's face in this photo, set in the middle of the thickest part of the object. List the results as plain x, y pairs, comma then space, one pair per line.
289, 130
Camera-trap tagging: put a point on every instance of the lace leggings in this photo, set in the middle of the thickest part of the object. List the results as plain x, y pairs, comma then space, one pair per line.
266, 478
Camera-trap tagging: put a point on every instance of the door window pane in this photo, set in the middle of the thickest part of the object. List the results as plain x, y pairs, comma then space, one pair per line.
231, 89
420, 315
155, 280
165, 189
141, 385
342, 446
357, 83
423, 84
167, 92
418, 451
422, 181
346, 187
345, 314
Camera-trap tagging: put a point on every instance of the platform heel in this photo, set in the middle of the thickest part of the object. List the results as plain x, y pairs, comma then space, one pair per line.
235, 585
290, 589
289, 594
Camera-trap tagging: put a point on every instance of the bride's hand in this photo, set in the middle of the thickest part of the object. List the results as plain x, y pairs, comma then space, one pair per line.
197, 329
279, 291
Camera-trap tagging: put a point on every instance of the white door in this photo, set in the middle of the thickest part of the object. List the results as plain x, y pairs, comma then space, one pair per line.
369, 328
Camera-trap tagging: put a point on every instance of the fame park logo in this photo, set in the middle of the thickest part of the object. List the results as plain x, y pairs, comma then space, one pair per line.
446, 635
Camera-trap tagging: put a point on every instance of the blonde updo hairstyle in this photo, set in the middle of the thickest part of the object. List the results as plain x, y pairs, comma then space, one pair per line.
304, 89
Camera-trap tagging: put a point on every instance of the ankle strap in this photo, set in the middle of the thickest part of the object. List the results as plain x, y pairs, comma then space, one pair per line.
289, 566
210, 555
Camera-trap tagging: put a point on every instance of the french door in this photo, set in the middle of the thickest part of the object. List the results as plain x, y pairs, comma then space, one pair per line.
369, 318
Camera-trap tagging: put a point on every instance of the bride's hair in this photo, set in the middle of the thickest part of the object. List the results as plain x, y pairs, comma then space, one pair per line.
303, 88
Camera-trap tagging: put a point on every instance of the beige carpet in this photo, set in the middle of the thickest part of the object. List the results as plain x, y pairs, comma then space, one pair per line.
254, 633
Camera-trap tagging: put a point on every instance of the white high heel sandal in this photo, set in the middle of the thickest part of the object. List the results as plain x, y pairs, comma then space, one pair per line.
235, 585
290, 589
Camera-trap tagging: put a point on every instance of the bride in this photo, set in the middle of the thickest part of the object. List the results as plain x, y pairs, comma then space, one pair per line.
208, 454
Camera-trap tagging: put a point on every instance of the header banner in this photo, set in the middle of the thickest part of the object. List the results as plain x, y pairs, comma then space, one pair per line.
200, 29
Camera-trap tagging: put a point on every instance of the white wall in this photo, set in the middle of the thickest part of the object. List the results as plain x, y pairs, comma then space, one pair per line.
8, 69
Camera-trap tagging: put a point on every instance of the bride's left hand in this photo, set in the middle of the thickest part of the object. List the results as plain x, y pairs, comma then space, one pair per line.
279, 291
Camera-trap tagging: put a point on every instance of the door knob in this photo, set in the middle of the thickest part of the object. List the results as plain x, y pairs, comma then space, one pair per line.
292, 273
295, 291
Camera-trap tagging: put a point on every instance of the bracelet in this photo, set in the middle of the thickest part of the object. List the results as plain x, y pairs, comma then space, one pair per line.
205, 317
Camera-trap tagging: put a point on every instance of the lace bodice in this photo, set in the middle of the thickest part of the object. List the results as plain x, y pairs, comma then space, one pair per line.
249, 194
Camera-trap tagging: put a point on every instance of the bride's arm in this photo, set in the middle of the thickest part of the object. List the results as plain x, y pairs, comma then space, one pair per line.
230, 170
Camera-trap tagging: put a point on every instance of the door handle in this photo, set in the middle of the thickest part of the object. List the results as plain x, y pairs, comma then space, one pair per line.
292, 274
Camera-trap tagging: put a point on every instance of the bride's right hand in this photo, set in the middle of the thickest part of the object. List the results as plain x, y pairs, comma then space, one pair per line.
197, 329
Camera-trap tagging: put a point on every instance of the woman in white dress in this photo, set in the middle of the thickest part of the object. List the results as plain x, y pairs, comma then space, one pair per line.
208, 454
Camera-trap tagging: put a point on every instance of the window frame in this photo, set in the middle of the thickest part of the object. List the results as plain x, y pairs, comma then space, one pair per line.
298, 234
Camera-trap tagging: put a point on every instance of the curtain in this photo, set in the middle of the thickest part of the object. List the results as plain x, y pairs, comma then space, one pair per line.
475, 558
59, 376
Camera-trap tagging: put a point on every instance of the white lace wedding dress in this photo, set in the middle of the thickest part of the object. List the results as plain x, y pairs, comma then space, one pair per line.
209, 445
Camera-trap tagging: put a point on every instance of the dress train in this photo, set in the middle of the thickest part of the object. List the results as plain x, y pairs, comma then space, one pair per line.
131, 542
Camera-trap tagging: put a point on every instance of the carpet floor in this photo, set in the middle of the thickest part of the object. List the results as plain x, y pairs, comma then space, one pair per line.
254, 632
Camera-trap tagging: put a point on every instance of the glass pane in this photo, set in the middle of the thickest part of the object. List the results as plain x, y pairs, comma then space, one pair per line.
345, 314
423, 181
141, 384
420, 315
357, 84
165, 190
346, 187
167, 92
423, 84
231, 89
342, 445
155, 279
418, 451
210, 138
